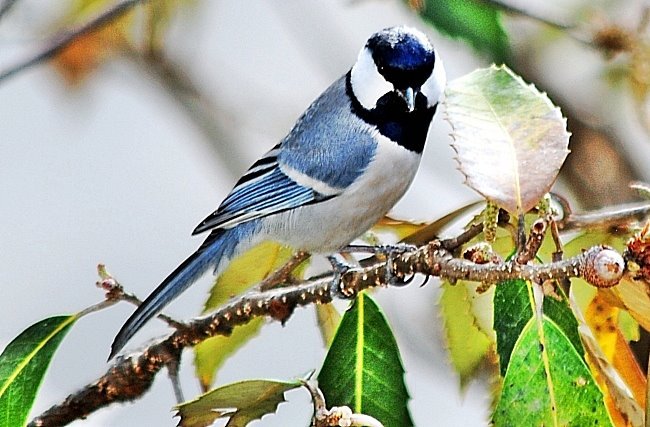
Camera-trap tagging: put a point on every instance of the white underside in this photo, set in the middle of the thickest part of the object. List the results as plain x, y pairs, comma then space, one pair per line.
327, 226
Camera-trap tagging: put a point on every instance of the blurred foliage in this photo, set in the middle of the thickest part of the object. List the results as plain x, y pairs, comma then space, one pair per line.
476, 22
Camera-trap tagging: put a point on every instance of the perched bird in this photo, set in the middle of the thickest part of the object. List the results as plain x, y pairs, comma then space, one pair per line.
349, 158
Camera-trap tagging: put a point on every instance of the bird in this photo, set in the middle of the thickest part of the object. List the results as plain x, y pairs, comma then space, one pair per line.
345, 163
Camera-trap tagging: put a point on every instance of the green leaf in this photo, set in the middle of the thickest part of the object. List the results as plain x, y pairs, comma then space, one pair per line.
242, 402
549, 384
246, 270
509, 138
23, 364
468, 344
473, 21
363, 369
546, 379
513, 310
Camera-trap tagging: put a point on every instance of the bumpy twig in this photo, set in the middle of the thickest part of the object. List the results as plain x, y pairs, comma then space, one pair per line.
131, 376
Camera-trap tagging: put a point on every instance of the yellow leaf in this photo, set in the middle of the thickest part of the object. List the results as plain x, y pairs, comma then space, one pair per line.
328, 319
243, 272
246, 270
602, 317
398, 227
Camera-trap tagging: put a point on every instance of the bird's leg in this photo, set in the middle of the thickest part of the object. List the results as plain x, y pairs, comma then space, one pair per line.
283, 274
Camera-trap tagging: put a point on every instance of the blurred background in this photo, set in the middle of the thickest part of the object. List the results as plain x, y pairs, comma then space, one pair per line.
115, 149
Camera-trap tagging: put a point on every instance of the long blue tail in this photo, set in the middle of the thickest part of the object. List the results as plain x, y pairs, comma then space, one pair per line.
219, 245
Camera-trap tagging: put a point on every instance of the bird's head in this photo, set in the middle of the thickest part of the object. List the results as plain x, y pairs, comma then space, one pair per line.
399, 66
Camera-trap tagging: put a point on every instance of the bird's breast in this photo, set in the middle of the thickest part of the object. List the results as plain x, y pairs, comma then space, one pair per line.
327, 226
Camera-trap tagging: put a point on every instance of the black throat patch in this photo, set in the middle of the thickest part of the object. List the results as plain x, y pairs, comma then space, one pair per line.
393, 120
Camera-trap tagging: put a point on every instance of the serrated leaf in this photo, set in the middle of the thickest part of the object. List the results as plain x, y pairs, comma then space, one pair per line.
23, 364
468, 344
244, 271
242, 402
548, 383
477, 23
363, 370
509, 138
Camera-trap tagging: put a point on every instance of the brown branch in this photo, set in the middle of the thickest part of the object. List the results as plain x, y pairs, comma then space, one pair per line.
60, 41
131, 376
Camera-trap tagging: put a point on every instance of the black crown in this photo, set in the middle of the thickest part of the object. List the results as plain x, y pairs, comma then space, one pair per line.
403, 58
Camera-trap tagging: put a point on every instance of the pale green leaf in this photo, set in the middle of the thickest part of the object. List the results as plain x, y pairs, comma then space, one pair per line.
468, 344
241, 402
509, 138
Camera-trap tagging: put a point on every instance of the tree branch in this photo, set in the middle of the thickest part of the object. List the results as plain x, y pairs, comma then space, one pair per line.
6, 6
62, 40
131, 376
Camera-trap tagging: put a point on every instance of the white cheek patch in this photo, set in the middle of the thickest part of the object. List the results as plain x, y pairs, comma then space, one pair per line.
367, 84
434, 87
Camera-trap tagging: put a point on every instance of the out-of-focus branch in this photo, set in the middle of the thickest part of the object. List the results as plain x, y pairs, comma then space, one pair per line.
217, 124
131, 376
62, 40
6, 6
514, 10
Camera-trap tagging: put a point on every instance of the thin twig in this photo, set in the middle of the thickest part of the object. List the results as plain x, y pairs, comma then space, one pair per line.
283, 275
215, 121
534, 242
115, 292
606, 218
6, 6
62, 40
514, 10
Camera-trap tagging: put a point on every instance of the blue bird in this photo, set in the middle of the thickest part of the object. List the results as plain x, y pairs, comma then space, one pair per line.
346, 162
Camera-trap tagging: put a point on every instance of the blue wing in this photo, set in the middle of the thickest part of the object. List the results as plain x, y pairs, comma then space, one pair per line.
328, 144
262, 191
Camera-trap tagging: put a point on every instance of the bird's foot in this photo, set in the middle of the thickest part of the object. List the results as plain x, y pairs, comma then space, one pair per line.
390, 252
